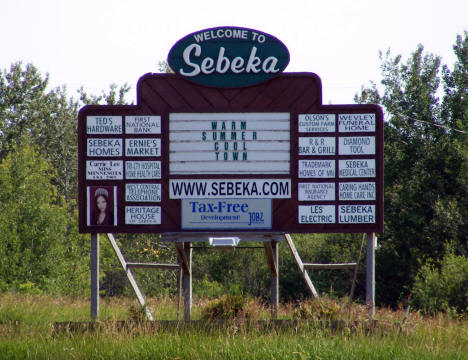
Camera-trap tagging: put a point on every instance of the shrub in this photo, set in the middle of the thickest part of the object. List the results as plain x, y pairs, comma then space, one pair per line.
207, 289
137, 313
226, 307
442, 289
318, 309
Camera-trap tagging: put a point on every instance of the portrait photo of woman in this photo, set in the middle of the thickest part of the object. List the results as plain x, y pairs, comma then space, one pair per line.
101, 206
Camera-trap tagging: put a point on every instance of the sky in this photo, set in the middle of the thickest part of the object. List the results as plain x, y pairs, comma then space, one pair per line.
94, 43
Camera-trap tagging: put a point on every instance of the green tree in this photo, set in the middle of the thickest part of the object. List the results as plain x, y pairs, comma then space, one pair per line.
41, 124
455, 116
115, 96
47, 118
425, 165
22, 103
33, 219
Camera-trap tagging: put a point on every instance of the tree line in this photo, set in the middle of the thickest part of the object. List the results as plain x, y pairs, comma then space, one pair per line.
421, 256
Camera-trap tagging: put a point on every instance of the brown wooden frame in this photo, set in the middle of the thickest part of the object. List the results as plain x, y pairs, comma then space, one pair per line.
296, 93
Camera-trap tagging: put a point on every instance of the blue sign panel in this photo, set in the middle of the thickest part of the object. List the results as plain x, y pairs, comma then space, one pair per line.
226, 214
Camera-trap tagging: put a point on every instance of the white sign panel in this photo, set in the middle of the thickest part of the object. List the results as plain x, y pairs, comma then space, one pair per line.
356, 123
316, 191
354, 191
226, 214
104, 124
357, 145
316, 169
230, 189
143, 215
104, 170
104, 147
227, 167
143, 192
143, 147
357, 168
143, 124
229, 143
316, 214
356, 214
316, 146
143, 169
317, 122
255, 156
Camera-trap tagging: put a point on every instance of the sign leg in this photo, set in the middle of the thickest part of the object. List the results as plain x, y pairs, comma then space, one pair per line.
271, 252
180, 274
187, 282
94, 276
275, 281
370, 273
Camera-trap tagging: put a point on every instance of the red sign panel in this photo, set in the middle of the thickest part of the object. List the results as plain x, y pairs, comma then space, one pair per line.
264, 158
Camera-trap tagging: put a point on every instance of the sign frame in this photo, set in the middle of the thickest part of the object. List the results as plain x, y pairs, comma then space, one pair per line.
295, 93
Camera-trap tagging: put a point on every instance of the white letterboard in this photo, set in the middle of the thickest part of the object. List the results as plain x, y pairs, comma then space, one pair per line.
229, 143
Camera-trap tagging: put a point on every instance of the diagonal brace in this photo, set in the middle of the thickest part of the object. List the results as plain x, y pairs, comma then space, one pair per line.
300, 265
130, 277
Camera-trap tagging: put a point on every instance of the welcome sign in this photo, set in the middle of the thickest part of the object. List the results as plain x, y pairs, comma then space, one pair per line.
229, 57
230, 143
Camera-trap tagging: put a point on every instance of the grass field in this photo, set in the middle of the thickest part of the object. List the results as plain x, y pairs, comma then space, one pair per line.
27, 332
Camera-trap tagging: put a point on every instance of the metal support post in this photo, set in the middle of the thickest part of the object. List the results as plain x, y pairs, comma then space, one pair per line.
180, 274
271, 252
370, 274
187, 282
184, 251
94, 276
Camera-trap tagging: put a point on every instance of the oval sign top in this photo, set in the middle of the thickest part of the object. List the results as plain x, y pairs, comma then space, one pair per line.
228, 57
